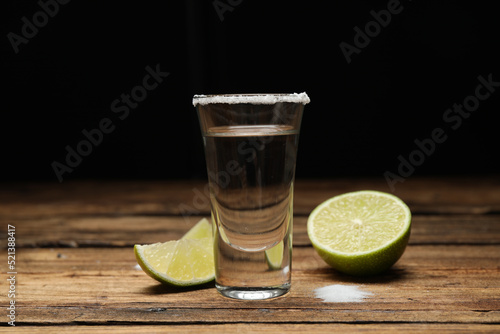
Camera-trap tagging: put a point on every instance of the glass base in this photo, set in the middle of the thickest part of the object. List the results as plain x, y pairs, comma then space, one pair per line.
252, 293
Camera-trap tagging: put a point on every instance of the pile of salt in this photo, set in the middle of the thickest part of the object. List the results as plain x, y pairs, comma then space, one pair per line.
339, 293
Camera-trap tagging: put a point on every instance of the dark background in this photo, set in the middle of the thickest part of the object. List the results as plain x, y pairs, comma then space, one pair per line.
362, 115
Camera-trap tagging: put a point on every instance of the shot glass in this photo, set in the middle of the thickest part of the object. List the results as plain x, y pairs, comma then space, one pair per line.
250, 149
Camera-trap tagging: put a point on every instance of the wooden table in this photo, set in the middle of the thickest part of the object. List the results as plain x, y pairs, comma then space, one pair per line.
75, 263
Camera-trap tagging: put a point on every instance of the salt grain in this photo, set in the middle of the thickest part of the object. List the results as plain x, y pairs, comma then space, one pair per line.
339, 293
251, 98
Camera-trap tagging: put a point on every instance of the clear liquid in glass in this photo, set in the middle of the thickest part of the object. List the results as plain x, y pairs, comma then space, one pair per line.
251, 171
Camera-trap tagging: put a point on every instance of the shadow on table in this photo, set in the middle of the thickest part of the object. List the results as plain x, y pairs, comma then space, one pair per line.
390, 276
162, 289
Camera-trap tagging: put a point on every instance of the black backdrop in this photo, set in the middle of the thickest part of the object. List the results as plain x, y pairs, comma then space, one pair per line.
76, 63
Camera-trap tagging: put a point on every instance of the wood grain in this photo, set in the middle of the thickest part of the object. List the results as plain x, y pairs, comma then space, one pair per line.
119, 231
435, 284
185, 198
274, 328
76, 264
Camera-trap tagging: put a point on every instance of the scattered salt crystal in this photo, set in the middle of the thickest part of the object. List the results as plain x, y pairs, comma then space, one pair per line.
339, 293
251, 98
137, 267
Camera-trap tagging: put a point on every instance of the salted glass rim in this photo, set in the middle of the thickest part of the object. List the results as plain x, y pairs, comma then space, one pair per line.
251, 98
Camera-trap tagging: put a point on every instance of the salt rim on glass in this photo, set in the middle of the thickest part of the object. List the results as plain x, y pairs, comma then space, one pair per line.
251, 98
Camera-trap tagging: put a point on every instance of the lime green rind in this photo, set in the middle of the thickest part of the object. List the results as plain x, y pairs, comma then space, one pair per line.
367, 264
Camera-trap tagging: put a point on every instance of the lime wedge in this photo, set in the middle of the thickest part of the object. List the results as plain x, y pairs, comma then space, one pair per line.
185, 262
361, 233
274, 256
202, 229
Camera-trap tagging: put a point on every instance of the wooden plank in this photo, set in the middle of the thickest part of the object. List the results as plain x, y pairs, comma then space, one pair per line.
448, 276
455, 229
157, 315
459, 194
471, 195
430, 284
128, 230
269, 328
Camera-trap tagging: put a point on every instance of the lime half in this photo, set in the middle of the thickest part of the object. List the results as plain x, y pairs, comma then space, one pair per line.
185, 262
360, 233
